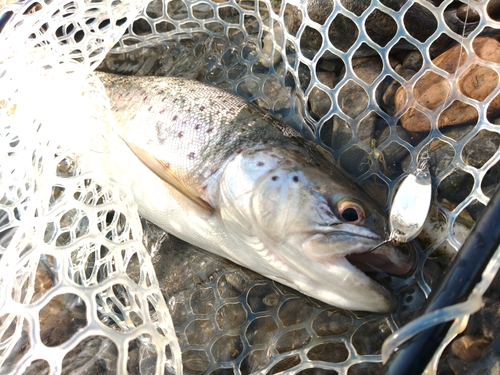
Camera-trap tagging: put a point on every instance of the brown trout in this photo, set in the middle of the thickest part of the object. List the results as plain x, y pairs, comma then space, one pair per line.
221, 173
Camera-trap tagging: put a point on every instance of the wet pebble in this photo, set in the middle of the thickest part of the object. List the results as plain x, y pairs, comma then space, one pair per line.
490, 314
394, 158
366, 130
388, 97
61, 318
380, 26
168, 59
155, 9
467, 13
457, 132
335, 133
378, 330
332, 322
441, 155
352, 98
434, 230
328, 63
413, 61
329, 352
355, 161
481, 148
270, 56
404, 72
469, 348
489, 185
493, 9
489, 361
310, 39
319, 10
477, 82
387, 88
455, 187
358, 6
476, 152
367, 68
458, 20
319, 103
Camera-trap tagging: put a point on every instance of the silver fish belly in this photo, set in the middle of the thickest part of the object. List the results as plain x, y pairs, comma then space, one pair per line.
222, 174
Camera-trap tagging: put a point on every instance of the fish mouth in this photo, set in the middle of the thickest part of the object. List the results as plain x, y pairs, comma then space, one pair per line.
396, 261
356, 244
349, 257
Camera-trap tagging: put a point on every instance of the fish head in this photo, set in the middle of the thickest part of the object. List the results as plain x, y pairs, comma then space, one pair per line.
342, 220
316, 226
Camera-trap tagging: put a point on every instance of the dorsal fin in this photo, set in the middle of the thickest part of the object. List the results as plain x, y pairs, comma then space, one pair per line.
162, 171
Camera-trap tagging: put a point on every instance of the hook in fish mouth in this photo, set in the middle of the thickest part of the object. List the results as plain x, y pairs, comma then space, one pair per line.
396, 261
352, 257
361, 247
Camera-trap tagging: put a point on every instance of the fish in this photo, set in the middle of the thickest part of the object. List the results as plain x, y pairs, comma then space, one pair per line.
221, 173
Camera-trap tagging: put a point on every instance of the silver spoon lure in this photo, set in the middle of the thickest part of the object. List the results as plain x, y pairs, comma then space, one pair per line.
411, 204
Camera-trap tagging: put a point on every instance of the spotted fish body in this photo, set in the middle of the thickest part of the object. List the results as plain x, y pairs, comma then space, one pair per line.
195, 127
246, 186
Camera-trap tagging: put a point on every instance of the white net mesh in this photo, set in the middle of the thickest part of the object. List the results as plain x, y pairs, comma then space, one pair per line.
374, 82
69, 227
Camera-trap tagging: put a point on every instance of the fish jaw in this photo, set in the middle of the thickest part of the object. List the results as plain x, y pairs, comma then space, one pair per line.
337, 280
341, 284
386, 258
356, 245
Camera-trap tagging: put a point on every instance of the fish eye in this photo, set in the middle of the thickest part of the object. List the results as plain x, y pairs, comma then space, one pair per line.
351, 212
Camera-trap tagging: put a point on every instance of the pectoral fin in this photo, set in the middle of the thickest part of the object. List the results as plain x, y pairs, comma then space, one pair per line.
162, 171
